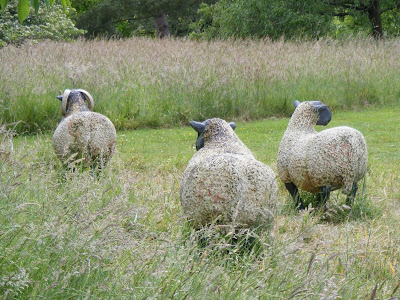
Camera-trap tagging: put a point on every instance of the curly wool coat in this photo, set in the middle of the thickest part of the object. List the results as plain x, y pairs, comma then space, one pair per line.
86, 134
223, 182
335, 157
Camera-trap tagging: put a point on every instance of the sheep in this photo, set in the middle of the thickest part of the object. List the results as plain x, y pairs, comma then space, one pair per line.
83, 133
321, 162
223, 182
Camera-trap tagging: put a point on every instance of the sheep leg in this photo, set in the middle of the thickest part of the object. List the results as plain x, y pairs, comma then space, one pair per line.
323, 196
352, 195
294, 191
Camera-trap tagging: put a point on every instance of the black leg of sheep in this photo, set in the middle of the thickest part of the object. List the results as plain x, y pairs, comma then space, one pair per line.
294, 191
352, 195
323, 196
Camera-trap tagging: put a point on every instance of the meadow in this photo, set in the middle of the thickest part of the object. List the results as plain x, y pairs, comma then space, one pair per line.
142, 82
123, 235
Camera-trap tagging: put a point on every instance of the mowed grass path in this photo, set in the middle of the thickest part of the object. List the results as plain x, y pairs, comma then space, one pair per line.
124, 235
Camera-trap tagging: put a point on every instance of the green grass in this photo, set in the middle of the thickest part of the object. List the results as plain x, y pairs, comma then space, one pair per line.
123, 235
141, 82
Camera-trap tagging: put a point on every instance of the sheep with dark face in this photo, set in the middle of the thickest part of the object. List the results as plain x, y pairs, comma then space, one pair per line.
83, 133
223, 182
321, 162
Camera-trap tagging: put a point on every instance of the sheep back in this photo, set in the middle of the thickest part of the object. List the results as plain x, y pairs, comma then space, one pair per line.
89, 134
335, 157
224, 182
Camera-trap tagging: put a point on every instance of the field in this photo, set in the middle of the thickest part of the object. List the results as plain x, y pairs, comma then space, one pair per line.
149, 83
123, 234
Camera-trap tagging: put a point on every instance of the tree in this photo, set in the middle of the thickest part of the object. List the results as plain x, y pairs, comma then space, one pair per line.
122, 17
373, 9
262, 18
293, 18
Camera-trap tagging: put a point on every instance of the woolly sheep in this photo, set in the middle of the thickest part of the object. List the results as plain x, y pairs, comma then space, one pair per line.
83, 133
223, 182
321, 162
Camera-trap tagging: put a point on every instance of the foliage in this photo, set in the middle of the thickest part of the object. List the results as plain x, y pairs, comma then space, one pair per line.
133, 17
23, 6
52, 23
391, 22
259, 19
375, 17
292, 19
81, 6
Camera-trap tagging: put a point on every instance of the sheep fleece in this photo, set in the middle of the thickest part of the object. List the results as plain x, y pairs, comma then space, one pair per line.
335, 157
87, 133
224, 180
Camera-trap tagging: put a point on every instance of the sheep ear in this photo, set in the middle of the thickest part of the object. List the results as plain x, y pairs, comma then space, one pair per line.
59, 97
233, 125
296, 103
199, 127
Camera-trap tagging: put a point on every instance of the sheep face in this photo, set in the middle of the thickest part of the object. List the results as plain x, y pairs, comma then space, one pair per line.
203, 132
318, 113
74, 101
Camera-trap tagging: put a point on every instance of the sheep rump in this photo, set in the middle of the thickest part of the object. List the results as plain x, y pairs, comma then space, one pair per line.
82, 133
223, 182
89, 135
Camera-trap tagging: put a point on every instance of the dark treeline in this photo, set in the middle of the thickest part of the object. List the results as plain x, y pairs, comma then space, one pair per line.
199, 19
239, 18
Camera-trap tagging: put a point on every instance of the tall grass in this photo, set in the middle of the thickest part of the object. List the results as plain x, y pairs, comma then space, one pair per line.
142, 82
123, 235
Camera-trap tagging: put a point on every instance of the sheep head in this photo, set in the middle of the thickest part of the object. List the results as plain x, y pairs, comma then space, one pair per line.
321, 111
201, 129
64, 98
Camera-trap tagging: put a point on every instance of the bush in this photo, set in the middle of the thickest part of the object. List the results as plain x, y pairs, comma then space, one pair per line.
49, 23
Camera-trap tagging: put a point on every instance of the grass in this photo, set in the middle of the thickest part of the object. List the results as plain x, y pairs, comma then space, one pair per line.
123, 235
142, 82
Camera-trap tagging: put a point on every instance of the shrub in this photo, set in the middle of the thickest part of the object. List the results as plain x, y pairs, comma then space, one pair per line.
49, 23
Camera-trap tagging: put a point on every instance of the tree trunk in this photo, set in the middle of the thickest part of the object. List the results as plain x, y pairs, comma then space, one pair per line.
162, 25
374, 16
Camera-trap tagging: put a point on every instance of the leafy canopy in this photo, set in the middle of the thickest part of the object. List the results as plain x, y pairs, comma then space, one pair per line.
128, 17
297, 18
